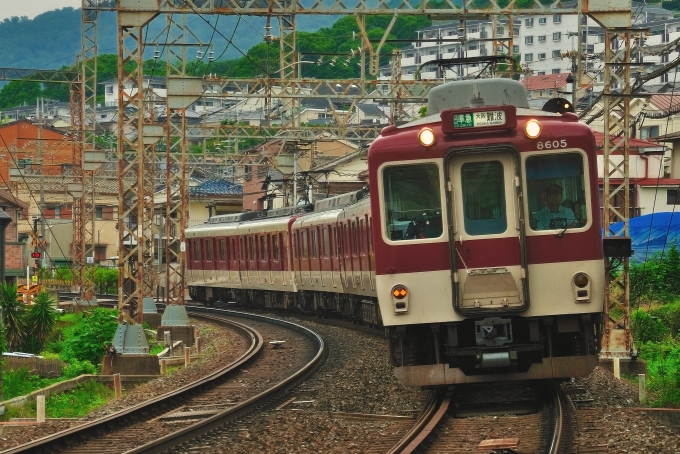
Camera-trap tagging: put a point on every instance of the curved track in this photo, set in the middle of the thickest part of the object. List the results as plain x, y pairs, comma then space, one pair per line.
197, 407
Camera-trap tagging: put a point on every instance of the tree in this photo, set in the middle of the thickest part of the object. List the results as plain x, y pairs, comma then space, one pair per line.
90, 334
12, 316
39, 323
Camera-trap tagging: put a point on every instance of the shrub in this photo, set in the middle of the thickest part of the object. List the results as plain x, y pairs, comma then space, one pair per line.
669, 314
76, 368
663, 368
87, 338
647, 328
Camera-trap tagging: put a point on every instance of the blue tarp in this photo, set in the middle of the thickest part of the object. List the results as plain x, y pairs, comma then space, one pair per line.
652, 233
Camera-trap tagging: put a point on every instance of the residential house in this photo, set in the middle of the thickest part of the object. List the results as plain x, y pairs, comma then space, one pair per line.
16, 251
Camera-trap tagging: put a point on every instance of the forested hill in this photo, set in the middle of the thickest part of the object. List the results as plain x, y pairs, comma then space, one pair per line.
52, 39
329, 52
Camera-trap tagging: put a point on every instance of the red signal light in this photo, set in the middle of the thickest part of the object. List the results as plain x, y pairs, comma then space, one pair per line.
35, 255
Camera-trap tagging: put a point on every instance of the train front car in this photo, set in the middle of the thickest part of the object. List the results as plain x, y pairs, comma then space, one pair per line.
489, 262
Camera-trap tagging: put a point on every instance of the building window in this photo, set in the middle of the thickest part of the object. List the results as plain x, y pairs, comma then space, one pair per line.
542, 20
529, 22
541, 56
556, 71
57, 211
515, 49
500, 30
649, 131
528, 57
557, 18
99, 212
474, 30
541, 39
109, 89
672, 197
515, 31
557, 36
541, 73
528, 40
556, 54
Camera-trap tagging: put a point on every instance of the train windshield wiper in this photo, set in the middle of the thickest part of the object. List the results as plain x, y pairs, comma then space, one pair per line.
559, 235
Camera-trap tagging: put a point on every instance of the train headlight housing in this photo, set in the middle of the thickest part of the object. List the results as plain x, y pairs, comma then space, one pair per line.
427, 137
532, 129
581, 286
400, 296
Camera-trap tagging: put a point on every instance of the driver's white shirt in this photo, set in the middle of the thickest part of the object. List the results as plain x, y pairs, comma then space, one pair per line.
544, 215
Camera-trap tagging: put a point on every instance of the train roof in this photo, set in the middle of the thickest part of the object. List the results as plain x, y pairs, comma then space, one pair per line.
462, 94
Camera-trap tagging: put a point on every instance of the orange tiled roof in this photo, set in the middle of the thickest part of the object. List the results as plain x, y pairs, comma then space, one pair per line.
546, 82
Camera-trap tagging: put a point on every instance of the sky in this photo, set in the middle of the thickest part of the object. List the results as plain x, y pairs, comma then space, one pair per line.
32, 8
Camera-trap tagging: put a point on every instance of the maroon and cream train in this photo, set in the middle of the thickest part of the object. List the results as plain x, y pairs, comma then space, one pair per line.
479, 249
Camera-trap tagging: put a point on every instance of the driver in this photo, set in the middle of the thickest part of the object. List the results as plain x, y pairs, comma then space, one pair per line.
554, 215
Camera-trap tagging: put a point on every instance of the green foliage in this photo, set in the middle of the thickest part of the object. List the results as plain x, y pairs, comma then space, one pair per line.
20, 382
106, 279
12, 316
656, 279
669, 316
673, 5
19, 93
76, 368
79, 401
648, 328
422, 111
39, 322
85, 340
63, 273
663, 369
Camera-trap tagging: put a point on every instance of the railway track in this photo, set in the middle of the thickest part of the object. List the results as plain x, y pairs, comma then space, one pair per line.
260, 377
507, 417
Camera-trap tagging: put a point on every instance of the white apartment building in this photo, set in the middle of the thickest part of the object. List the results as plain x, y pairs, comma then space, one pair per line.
539, 42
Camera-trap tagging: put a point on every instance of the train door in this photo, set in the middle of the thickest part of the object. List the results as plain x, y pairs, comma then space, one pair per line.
487, 239
326, 267
304, 259
242, 273
356, 251
335, 256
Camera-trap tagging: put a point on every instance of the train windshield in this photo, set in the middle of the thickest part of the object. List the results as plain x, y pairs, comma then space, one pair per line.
483, 198
556, 191
413, 208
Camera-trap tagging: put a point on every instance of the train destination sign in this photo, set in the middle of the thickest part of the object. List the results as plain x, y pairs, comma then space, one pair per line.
479, 119
486, 118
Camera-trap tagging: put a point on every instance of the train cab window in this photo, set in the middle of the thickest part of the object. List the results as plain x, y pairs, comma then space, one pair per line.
483, 190
275, 247
556, 191
197, 250
263, 248
223, 250
413, 208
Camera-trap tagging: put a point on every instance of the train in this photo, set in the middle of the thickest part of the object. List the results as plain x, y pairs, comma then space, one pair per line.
476, 245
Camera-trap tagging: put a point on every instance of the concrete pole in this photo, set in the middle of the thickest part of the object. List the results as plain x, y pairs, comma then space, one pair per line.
197, 341
40, 404
617, 368
187, 356
164, 366
642, 392
116, 385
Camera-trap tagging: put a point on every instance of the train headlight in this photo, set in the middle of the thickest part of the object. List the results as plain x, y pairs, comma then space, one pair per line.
581, 287
427, 137
400, 299
532, 129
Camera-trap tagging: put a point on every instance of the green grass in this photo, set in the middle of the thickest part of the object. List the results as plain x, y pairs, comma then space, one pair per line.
21, 382
71, 404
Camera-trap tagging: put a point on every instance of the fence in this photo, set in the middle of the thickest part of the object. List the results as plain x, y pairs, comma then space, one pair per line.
39, 366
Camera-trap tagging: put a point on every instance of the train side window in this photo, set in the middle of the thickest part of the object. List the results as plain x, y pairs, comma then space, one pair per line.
196, 250
251, 247
263, 248
305, 250
326, 242
208, 250
223, 250
275, 247
556, 191
483, 186
413, 208
315, 244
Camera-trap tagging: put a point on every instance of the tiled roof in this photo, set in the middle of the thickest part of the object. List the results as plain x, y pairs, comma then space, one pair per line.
665, 101
634, 144
545, 82
216, 186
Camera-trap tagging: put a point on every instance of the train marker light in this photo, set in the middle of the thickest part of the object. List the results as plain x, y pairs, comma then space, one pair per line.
400, 299
581, 287
427, 137
35, 255
532, 129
